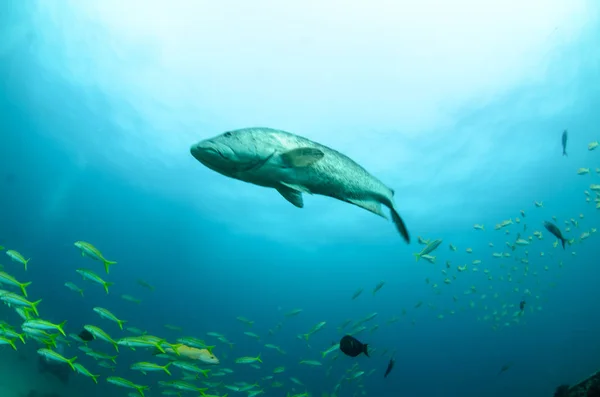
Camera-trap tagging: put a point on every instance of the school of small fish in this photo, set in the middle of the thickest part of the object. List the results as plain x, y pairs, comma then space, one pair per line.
512, 257
189, 364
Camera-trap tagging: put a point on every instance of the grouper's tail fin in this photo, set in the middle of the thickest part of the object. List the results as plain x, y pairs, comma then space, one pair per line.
400, 225
397, 219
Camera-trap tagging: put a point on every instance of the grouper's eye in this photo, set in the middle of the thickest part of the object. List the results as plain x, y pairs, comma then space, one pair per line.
227, 134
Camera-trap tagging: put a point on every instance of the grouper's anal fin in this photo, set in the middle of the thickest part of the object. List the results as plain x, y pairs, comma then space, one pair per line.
372, 206
301, 157
375, 207
291, 195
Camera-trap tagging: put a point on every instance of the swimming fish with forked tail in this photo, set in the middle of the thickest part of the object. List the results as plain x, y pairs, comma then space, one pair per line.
552, 228
181, 351
293, 165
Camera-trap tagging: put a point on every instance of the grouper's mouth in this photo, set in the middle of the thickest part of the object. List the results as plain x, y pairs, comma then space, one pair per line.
214, 159
208, 156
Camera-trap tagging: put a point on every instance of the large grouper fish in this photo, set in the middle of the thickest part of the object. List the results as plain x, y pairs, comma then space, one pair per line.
294, 165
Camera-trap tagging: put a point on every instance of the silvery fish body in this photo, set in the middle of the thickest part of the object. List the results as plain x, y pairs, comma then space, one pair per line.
294, 165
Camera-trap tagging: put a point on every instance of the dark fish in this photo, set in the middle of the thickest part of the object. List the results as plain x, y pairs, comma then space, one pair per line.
552, 228
86, 336
505, 368
564, 142
522, 305
352, 347
389, 368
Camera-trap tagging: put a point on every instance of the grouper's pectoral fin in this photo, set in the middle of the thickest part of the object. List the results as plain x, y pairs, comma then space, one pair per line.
372, 206
301, 157
291, 195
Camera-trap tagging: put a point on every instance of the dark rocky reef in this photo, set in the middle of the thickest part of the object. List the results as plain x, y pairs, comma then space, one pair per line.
589, 387
594, 390
562, 391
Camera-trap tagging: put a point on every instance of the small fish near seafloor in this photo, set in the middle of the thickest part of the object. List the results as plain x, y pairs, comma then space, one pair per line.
293, 165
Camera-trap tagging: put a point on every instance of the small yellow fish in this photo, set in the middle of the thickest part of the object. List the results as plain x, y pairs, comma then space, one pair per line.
104, 313
15, 256
145, 284
93, 252
192, 353
248, 360
245, 321
422, 241
131, 299
584, 235
91, 276
173, 327
583, 171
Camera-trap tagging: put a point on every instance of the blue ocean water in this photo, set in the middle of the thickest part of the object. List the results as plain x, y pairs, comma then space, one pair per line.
457, 107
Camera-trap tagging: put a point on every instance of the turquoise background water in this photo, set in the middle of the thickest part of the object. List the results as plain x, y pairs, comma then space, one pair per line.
458, 107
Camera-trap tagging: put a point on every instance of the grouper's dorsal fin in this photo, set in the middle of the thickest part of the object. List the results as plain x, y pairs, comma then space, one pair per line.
301, 157
293, 196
